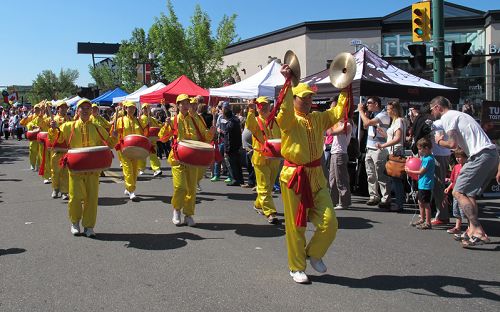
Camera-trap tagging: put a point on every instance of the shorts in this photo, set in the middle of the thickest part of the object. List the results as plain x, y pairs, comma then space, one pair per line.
477, 173
424, 196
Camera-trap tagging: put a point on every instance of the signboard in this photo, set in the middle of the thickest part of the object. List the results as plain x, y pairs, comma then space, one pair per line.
490, 119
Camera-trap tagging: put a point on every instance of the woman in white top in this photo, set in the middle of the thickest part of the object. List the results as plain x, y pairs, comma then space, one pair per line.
395, 145
340, 189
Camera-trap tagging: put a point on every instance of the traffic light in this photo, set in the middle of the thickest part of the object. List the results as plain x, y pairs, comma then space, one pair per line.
459, 56
419, 59
421, 21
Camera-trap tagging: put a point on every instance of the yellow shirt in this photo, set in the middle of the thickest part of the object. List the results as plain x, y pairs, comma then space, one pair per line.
39, 122
258, 137
85, 134
126, 125
27, 119
206, 136
302, 137
101, 121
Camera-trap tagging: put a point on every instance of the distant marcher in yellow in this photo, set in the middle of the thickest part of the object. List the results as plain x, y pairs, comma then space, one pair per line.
147, 121
59, 175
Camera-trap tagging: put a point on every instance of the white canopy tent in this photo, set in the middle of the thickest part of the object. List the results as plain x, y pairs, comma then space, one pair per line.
135, 96
125, 98
72, 101
260, 84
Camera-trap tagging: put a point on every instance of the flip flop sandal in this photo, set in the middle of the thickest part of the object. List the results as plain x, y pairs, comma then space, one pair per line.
461, 237
474, 241
453, 231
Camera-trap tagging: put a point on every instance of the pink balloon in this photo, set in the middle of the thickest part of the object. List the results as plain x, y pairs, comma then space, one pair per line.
413, 163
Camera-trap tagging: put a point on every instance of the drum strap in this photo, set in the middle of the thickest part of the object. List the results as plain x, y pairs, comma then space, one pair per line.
201, 137
281, 97
174, 140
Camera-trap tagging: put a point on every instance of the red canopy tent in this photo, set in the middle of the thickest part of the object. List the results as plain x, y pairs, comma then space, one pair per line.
170, 92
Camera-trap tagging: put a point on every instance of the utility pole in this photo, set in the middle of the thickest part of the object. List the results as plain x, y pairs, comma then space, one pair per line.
438, 40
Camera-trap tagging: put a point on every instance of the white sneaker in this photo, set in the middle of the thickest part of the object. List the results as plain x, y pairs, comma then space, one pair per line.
89, 232
65, 196
32, 168
317, 265
176, 218
189, 221
132, 196
75, 228
157, 173
126, 193
299, 277
55, 194
141, 172
46, 181
340, 207
198, 187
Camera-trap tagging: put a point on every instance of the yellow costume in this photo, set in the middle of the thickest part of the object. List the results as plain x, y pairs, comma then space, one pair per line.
129, 125
147, 122
202, 127
184, 177
35, 146
101, 121
302, 148
83, 186
59, 175
266, 169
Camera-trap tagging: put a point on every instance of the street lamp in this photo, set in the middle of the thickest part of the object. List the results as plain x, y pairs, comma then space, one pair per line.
151, 57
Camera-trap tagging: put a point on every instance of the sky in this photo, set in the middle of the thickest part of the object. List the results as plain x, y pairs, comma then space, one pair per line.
43, 35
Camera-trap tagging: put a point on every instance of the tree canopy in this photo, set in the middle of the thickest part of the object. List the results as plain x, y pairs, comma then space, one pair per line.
193, 51
48, 86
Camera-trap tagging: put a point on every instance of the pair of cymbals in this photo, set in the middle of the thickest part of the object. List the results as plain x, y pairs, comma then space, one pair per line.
293, 62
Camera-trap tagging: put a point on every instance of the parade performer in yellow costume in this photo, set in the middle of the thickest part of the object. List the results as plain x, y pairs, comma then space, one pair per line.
184, 176
41, 121
266, 169
34, 145
83, 186
303, 184
59, 175
146, 122
126, 125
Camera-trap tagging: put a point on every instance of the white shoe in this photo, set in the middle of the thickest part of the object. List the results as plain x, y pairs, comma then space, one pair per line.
299, 277
141, 172
55, 194
198, 187
65, 196
126, 193
189, 221
132, 196
89, 232
46, 181
157, 173
32, 168
176, 218
317, 265
340, 207
75, 228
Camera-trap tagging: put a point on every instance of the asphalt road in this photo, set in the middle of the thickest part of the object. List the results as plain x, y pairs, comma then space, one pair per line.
232, 261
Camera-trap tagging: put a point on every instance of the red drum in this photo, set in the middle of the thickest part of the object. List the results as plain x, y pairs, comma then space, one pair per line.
153, 133
136, 147
42, 136
195, 153
89, 159
272, 148
32, 135
60, 147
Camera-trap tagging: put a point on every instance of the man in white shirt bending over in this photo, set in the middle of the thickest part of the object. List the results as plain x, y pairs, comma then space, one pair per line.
463, 131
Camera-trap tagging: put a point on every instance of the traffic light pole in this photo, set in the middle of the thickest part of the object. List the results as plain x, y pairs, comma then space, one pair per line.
438, 40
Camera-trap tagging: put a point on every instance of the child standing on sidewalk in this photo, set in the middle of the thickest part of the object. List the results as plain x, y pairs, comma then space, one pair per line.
425, 183
458, 213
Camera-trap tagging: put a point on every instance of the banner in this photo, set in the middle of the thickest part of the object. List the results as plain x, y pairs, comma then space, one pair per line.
490, 120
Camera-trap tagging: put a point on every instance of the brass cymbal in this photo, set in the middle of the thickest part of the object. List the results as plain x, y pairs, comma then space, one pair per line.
293, 62
342, 70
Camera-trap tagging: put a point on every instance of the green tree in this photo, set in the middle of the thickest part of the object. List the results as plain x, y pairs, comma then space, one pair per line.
105, 77
51, 87
194, 52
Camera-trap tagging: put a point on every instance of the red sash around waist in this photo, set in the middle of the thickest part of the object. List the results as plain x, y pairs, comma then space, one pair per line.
300, 183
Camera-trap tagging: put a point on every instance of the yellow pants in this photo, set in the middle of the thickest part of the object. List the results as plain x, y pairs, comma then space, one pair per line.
47, 173
184, 182
322, 216
154, 161
130, 169
59, 175
265, 175
200, 174
120, 156
83, 197
34, 146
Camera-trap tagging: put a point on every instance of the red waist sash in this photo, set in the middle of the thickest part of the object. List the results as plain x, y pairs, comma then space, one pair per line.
301, 185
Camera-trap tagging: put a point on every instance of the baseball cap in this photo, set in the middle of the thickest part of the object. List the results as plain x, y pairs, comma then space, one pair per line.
182, 97
302, 89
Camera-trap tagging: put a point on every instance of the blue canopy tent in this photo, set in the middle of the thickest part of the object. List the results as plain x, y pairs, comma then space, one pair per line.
106, 99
